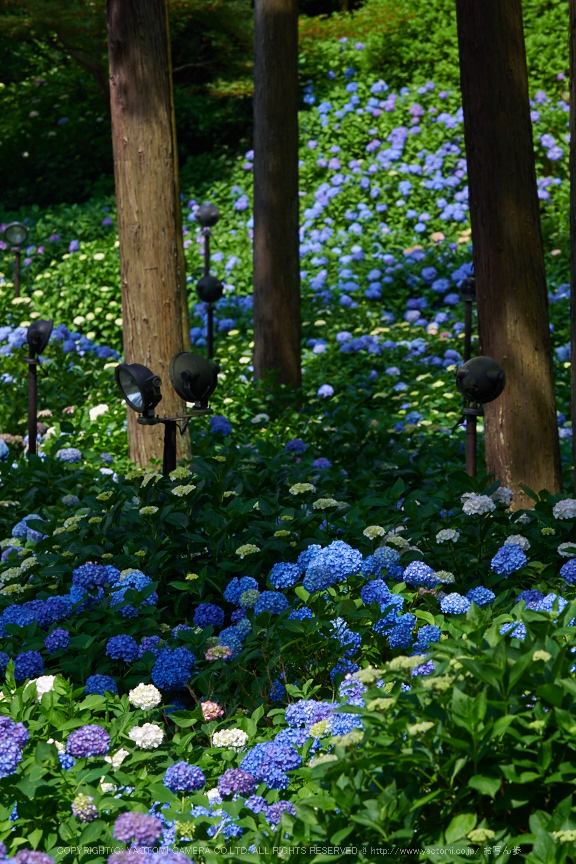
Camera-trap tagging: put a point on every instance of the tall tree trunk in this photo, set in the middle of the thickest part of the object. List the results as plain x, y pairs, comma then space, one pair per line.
148, 204
572, 5
276, 241
521, 435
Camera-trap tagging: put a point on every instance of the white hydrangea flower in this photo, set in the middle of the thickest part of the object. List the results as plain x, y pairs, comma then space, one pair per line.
117, 758
148, 737
445, 577
44, 684
447, 534
247, 549
145, 696
180, 491
519, 540
260, 418
567, 550
503, 495
373, 531
565, 509
232, 739
28, 563
324, 503
60, 747
478, 505
107, 787
300, 488
523, 519
179, 474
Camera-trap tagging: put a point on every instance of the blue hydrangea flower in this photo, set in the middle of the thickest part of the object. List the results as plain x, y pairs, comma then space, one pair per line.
455, 604
10, 757
271, 601
172, 669
330, 565
28, 664
531, 598
183, 777
307, 555
231, 637
481, 596
208, 615
519, 631
98, 684
236, 587
285, 575
384, 558
54, 609
376, 590
90, 576
427, 634
277, 691
268, 763
71, 455
420, 574
296, 445
220, 425
508, 559
4, 660
306, 712
138, 581
321, 463
301, 614
396, 602
66, 761
568, 571
149, 643
122, 648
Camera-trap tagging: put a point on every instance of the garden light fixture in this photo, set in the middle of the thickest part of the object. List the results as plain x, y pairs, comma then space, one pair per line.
209, 289
194, 379
37, 338
479, 380
139, 386
16, 234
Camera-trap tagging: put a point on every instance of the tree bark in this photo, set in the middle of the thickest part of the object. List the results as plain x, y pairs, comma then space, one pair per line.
521, 435
148, 205
276, 240
572, 5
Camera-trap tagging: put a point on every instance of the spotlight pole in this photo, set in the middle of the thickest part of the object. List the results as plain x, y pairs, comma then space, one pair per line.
169, 456
209, 307
33, 363
16, 271
170, 426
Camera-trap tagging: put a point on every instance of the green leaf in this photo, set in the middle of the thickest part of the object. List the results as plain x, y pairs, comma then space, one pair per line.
551, 693
485, 785
258, 714
302, 593
425, 616
183, 718
35, 837
460, 826
92, 832
177, 519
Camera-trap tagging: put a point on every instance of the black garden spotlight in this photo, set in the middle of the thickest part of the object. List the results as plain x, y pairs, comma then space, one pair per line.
193, 377
209, 289
37, 338
479, 380
468, 293
16, 234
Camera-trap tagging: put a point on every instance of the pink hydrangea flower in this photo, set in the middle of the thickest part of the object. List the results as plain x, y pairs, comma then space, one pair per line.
211, 711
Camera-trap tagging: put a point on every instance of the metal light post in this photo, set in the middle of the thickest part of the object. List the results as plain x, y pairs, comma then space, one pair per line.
193, 378
15, 234
37, 338
468, 292
479, 380
209, 289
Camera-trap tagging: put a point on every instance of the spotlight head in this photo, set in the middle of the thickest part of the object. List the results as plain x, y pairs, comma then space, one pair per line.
16, 233
468, 288
480, 379
207, 215
139, 386
209, 289
38, 335
193, 377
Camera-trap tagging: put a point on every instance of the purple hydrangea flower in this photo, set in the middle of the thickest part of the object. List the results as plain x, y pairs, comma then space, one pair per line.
276, 810
322, 463
30, 856
87, 741
235, 781
144, 829
296, 445
70, 455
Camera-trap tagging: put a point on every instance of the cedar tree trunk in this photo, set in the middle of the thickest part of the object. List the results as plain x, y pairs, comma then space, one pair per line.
521, 436
276, 240
148, 204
